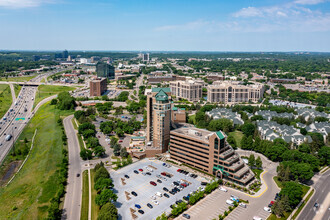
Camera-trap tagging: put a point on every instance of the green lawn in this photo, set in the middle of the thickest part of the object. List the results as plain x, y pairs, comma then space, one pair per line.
238, 135
95, 208
17, 79
81, 142
45, 91
192, 118
5, 99
257, 173
85, 196
17, 89
278, 183
74, 124
29, 194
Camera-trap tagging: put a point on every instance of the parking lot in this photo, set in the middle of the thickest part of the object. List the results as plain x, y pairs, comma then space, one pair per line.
146, 193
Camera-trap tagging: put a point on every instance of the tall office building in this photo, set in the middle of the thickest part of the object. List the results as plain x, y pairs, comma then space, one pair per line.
210, 152
65, 54
145, 57
229, 92
158, 120
105, 70
97, 87
189, 89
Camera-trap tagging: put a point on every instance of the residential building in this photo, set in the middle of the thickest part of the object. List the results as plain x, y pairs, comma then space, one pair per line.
178, 115
210, 152
158, 120
97, 87
218, 113
231, 92
105, 70
189, 89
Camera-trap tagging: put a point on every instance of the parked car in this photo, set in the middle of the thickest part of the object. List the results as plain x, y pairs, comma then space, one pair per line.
256, 218
159, 194
135, 171
165, 189
242, 205
229, 202
126, 176
223, 189
159, 181
137, 206
141, 170
148, 173
141, 211
166, 195
267, 209
186, 216
153, 183
203, 183
134, 193
149, 205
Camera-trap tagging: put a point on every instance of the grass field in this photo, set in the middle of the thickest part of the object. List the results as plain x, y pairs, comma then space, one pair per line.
29, 194
5, 99
95, 208
45, 91
17, 89
85, 196
238, 135
17, 79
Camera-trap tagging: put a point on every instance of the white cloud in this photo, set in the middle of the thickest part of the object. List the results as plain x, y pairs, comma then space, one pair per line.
249, 12
309, 2
22, 3
184, 27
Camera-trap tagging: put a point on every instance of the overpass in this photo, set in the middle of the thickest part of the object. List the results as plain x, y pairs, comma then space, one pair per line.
39, 83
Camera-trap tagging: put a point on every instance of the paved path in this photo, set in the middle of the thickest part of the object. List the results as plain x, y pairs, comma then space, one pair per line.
12, 92
321, 196
72, 201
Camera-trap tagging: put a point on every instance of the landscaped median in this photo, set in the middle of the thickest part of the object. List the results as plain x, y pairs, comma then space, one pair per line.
85, 196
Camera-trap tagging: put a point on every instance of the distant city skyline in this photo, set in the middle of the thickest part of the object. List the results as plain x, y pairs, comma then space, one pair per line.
211, 25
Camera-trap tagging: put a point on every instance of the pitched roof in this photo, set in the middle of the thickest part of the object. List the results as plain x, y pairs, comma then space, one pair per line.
161, 96
165, 89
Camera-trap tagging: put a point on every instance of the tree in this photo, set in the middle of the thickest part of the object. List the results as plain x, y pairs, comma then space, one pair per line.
113, 141
123, 152
162, 217
99, 151
294, 192
79, 114
86, 154
257, 118
103, 183
65, 101
231, 140
258, 162
324, 155
303, 131
248, 129
101, 172
53, 102
116, 149
223, 124
252, 160
107, 195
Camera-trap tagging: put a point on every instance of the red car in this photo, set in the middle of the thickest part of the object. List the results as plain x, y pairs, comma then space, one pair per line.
153, 183
163, 173
178, 170
120, 141
272, 202
141, 170
183, 184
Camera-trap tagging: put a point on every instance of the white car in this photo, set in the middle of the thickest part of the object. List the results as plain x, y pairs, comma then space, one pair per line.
257, 218
223, 189
267, 209
153, 197
242, 205
156, 202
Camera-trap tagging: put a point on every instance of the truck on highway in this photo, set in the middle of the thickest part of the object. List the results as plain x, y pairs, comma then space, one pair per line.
8, 137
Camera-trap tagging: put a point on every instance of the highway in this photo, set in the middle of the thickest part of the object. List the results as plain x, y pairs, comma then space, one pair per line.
322, 197
72, 201
15, 119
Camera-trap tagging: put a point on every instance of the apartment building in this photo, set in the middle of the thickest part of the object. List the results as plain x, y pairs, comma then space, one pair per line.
97, 87
158, 120
231, 92
189, 89
210, 152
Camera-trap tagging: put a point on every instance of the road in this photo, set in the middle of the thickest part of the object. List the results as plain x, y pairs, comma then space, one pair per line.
13, 96
321, 196
72, 201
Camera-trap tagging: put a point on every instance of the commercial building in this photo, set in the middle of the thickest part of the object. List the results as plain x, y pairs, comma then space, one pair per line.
231, 92
189, 89
158, 120
210, 152
178, 115
145, 57
105, 70
97, 87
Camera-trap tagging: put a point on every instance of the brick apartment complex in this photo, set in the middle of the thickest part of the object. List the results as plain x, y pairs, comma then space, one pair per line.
97, 87
178, 115
210, 152
231, 92
158, 120
189, 89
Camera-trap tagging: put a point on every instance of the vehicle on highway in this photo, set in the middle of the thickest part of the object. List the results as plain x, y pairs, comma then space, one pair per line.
267, 209
223, 189
8, 137
186, 216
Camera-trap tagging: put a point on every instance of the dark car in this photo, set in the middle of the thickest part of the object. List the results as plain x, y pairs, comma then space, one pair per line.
134, 193
126, 176
186, 216
186, 198
141, 211
149, 205
179, 201
171, 192
172, 206
203, 183
78, 174
163, 173
166, 195
159, 181
135, 171
316, 205
148, 173
165, 189
175, 183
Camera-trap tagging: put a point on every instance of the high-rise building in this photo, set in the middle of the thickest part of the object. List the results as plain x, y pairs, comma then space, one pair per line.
65, 54
97, 87
229, 92
105, 70
158, 120
210, 152
145, 57
189, 89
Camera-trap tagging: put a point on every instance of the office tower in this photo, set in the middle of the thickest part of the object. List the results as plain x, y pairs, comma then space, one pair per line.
105, 70
97, 87
189, 89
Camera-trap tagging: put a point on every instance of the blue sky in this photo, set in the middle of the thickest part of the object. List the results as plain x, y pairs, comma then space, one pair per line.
172, 25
